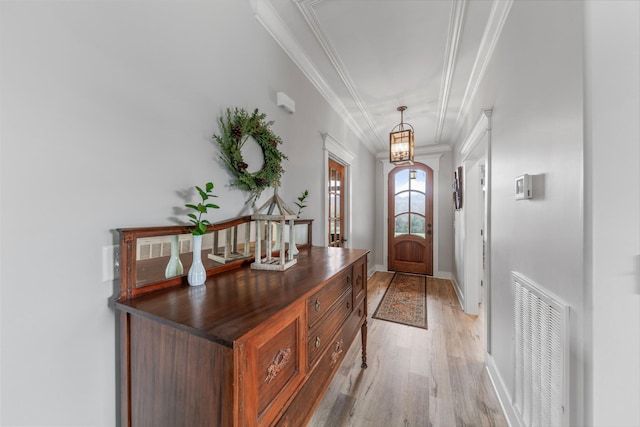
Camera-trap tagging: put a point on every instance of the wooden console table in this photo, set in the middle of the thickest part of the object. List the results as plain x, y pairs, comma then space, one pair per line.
248, 348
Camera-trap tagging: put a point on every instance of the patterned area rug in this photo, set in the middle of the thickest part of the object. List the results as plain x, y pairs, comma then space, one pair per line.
405, 301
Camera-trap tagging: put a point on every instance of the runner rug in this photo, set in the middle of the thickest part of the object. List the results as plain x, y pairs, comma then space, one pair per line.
405, 301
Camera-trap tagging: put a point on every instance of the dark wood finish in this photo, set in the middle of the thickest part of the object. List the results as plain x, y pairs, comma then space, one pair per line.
322, 301
233, 352
409, 252
139, 277
273, 356
165, 363
304, 404
359, 281
320, 336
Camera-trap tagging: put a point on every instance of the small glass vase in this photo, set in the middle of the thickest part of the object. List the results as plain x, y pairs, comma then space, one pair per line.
197, 274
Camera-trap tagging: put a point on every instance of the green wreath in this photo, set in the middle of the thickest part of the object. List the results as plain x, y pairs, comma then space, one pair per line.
235, 128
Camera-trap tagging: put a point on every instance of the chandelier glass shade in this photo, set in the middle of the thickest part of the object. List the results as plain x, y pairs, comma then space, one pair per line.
401, 142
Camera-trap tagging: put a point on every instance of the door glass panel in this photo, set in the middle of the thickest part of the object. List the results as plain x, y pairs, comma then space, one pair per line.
332, 231
417, 202
402, 202
420, 182
402, 181
332, 206
417, 225
402, 224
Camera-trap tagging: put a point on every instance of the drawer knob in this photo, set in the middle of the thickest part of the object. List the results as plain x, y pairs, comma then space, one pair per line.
348, 280
317, 306
348, 305
317, 342
360, 312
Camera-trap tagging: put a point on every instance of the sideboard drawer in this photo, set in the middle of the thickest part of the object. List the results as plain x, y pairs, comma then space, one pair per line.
319, 336
320, 302
307, 399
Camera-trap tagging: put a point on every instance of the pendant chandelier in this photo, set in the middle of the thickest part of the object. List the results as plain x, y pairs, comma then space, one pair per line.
401, 142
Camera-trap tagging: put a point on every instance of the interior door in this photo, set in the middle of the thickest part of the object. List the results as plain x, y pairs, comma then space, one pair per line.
336, 204
411, 219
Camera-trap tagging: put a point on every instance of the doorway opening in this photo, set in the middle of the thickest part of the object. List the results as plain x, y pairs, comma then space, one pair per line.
336, 193
410, 230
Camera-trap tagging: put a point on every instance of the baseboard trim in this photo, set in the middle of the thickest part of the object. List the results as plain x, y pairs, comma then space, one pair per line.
459, 294
503, 394
378, 267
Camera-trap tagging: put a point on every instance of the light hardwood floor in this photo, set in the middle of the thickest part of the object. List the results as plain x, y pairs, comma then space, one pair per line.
416, 377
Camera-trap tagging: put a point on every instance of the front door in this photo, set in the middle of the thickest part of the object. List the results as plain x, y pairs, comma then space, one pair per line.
336, 204
411, 219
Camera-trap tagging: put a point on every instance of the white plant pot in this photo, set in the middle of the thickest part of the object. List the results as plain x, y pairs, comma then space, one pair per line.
197, 274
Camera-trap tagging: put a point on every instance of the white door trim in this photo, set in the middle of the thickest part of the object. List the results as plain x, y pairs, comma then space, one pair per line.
477, 144
333, 149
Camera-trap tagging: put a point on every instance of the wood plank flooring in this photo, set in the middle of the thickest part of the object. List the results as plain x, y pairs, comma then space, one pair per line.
416, 377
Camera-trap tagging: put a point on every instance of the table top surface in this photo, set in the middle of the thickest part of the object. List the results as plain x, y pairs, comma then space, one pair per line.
232, 303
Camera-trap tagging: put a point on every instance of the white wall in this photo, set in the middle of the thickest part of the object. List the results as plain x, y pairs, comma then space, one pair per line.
612, 220
106, 120
534, 85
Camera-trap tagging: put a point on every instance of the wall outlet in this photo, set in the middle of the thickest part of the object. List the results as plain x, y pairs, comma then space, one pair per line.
110, 263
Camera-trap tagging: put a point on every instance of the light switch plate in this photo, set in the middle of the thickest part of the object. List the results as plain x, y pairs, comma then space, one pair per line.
110, 263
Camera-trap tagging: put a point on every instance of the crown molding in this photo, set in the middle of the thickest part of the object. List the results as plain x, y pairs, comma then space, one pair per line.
309, 14
482, 126
271, 21
497, 17
458, 9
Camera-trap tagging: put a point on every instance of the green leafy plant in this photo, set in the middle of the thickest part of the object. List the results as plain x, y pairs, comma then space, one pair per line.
301, 199
236, 127
201, 208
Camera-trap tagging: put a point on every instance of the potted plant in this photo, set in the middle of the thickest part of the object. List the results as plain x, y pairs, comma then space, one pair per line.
197, 273
301, 199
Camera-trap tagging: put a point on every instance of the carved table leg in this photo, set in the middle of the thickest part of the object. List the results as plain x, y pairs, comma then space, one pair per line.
363, 333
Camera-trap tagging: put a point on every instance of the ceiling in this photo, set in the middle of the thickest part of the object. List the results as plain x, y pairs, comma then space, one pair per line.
367, 57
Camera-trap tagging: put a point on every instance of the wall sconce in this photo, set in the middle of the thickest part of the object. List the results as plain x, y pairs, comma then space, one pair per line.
401, 142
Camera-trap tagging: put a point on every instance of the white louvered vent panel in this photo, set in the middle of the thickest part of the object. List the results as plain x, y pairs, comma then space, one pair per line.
541, 324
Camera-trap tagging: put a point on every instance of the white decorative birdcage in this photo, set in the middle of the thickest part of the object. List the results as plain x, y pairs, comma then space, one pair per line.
274, 211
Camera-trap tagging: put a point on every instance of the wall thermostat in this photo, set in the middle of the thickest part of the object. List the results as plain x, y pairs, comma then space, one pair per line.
523, 187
